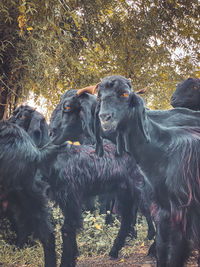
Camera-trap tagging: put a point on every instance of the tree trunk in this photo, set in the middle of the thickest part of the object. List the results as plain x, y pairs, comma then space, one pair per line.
3, 103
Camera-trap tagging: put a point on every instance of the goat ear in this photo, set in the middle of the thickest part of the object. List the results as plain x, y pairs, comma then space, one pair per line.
44, 129
87, 118
141, 117
34, 130
132, 100
97, 130
119, 143
99, 148
127, 142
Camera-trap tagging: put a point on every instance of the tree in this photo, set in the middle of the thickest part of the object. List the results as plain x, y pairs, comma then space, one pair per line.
8, 55
50, 46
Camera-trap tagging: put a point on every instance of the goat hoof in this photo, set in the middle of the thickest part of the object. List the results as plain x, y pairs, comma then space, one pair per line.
113, 255
152, 250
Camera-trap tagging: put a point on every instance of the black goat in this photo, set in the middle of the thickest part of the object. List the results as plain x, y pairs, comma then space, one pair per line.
78, 119
187, 94
72, 118
79, 125
36, 126
33, 123
169, 157
19, 194
81, 173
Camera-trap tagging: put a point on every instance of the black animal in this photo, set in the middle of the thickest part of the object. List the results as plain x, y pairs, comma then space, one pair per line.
187, 94
20, 196
78, 117
74, 119
168, 153
33, 123
36, 126
80, 173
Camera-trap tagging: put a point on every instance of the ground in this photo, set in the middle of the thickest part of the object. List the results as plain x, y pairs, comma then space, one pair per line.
138, 259
94, 242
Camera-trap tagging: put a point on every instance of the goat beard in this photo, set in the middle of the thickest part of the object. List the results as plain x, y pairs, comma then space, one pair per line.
109, 126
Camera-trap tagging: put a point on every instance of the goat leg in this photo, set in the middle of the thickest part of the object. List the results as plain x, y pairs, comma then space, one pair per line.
70, 250
178, 248
49, 250
162, 240
128, 215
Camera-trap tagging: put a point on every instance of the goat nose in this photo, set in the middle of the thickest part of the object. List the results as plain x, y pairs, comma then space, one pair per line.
105, 116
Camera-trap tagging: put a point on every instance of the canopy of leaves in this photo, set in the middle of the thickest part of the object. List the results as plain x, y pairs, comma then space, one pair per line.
49, 46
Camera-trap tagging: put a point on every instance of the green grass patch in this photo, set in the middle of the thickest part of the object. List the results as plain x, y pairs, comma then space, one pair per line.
95, 238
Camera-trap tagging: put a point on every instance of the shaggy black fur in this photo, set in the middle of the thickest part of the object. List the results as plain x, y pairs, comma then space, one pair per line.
36, 126
79, 173
72, 118
21, 199
187, 94
79, 118
168, 153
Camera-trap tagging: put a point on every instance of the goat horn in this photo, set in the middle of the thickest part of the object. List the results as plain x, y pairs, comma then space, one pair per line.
89, 89
141, 91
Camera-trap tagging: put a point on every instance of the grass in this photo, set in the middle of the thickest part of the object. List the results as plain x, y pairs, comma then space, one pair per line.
95, 238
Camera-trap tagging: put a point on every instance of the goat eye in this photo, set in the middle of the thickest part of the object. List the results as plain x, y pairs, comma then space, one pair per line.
67, 108
22, 117
195, 88
125, 95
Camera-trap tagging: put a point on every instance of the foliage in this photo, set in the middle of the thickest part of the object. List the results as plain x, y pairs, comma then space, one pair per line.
96, 237
57, 45
30, 256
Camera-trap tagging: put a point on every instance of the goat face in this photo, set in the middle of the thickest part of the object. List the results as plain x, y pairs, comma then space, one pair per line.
73, 118
32, 122
65, 123
187, 94
22, 116
114, 96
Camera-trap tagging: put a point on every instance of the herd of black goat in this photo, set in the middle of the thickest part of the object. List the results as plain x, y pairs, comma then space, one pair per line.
136, 158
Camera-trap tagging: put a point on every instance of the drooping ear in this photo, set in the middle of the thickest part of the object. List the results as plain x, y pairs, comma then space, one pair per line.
119, 145
97, 130
34, 130
87, 117
141, 117
132, 100
44, 129
127, 142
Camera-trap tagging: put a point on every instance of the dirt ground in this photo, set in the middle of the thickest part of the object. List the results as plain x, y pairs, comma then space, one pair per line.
138, 259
